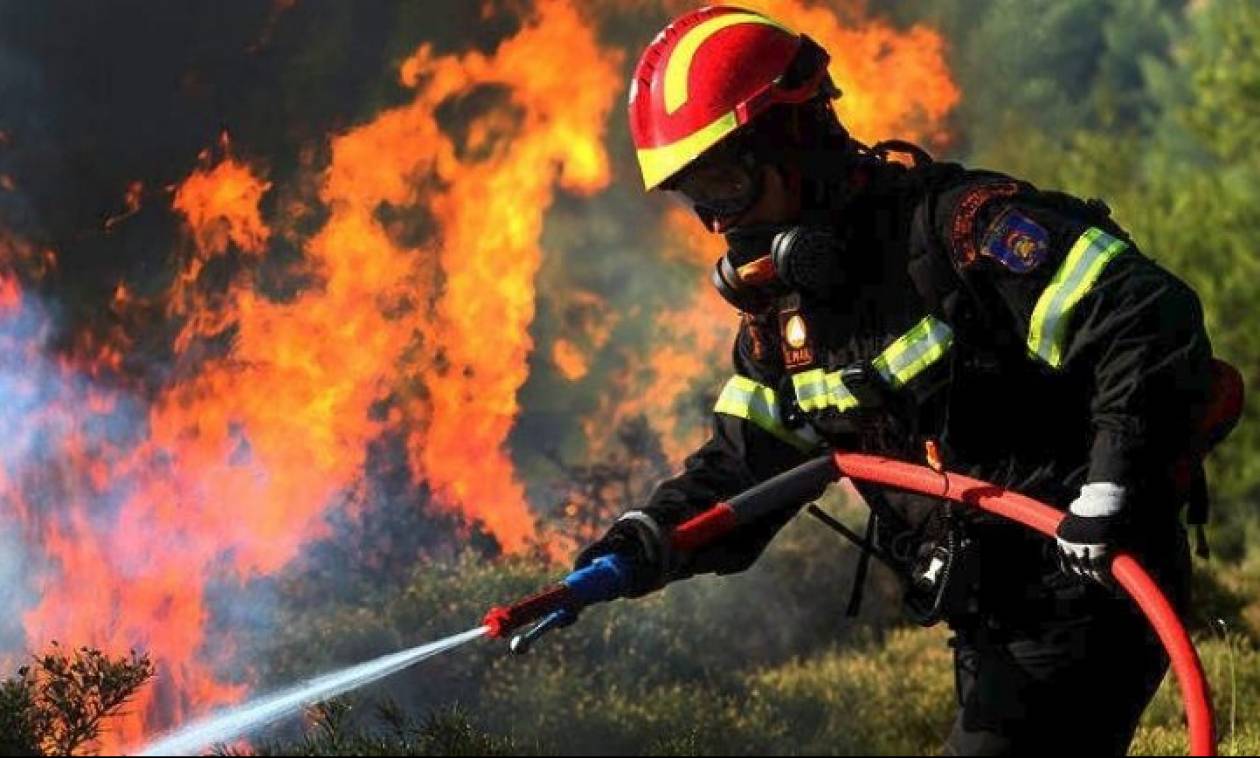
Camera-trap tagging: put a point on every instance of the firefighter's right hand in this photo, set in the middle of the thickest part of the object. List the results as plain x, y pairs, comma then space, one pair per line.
638, 538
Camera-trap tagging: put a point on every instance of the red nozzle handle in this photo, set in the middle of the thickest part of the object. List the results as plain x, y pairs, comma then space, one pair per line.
503, 620
793, 486
704, 528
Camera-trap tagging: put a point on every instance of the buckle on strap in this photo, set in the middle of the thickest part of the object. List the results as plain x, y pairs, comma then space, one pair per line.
865, 383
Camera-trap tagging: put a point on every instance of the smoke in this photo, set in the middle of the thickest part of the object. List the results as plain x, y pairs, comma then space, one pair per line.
58, 424
15, 588
16, 562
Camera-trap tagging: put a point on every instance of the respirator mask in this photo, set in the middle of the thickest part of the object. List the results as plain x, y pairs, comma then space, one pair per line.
767, 262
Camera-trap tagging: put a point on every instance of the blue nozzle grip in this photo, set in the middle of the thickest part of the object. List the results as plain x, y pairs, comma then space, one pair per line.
605, 578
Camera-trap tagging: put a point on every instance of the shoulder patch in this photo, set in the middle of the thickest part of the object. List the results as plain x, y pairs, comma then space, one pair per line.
963, 226
1016, 241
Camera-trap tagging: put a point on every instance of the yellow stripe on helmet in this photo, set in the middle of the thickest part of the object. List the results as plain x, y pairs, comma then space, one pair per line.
660, 163
678, 68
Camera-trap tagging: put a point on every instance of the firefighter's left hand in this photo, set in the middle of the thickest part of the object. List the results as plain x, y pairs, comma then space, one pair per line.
1088, 533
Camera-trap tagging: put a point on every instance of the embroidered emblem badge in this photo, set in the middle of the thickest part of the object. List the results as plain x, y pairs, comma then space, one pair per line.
1017, 242
797, 353
963, 228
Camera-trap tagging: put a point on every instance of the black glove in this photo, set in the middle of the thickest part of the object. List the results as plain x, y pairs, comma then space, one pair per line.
637, 537
1087, 536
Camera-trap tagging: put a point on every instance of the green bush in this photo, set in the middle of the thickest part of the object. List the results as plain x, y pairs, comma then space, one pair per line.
443, 732
59, 704
674, 673
1232, 663
891, 697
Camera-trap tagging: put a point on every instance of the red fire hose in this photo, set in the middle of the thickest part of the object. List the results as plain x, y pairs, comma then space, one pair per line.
1041, 517
601, 580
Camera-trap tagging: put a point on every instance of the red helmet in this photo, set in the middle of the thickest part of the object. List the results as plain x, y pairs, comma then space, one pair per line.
707, 75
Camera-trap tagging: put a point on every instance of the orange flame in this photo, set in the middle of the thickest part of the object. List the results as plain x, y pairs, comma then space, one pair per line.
562, 85
424, 272
10, 295
240, 458
220, 204
569, 360
896, 83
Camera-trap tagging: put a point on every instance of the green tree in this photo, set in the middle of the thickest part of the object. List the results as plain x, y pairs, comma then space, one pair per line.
1197, 198
57, 705
1184, 179
1050, 66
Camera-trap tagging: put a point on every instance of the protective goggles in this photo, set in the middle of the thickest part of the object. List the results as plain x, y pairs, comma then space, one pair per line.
723, 186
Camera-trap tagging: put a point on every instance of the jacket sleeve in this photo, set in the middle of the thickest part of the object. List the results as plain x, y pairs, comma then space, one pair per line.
749, 444
1091, 309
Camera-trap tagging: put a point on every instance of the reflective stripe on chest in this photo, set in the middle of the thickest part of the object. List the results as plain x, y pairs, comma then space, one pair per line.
906, 358
746, 399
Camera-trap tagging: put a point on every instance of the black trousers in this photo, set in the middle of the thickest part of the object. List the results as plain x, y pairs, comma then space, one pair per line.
1057, 665
1077, 687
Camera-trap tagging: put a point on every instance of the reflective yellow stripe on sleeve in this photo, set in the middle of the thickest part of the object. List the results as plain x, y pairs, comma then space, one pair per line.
748, 400
914, 352
1047, 333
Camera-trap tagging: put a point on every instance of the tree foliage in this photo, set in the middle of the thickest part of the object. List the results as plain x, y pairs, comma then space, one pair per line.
1181, 172
58, 705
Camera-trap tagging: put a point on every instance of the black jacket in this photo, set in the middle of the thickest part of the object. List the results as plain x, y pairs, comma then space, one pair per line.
1046, 351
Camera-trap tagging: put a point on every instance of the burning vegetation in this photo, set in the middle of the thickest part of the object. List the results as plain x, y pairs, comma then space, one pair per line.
458, 279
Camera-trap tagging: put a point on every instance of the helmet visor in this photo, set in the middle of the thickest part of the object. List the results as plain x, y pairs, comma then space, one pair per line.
719, 188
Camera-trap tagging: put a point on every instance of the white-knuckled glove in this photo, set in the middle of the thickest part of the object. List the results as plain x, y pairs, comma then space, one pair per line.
1087, 535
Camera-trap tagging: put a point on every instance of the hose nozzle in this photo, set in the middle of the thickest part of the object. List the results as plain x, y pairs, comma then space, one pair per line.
521, 643
603, 579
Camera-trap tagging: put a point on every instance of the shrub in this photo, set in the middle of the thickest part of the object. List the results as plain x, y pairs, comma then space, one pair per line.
57, 706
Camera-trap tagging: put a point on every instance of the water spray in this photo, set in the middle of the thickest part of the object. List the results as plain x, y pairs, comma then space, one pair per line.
604, 579
238, 721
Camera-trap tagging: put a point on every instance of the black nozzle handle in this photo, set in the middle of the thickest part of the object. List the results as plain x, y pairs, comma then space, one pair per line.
791, 488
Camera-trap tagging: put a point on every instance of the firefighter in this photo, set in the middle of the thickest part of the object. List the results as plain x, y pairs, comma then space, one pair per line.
888, 304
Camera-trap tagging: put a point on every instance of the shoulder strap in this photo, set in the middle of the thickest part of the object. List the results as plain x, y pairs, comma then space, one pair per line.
943, 288
1093, 212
